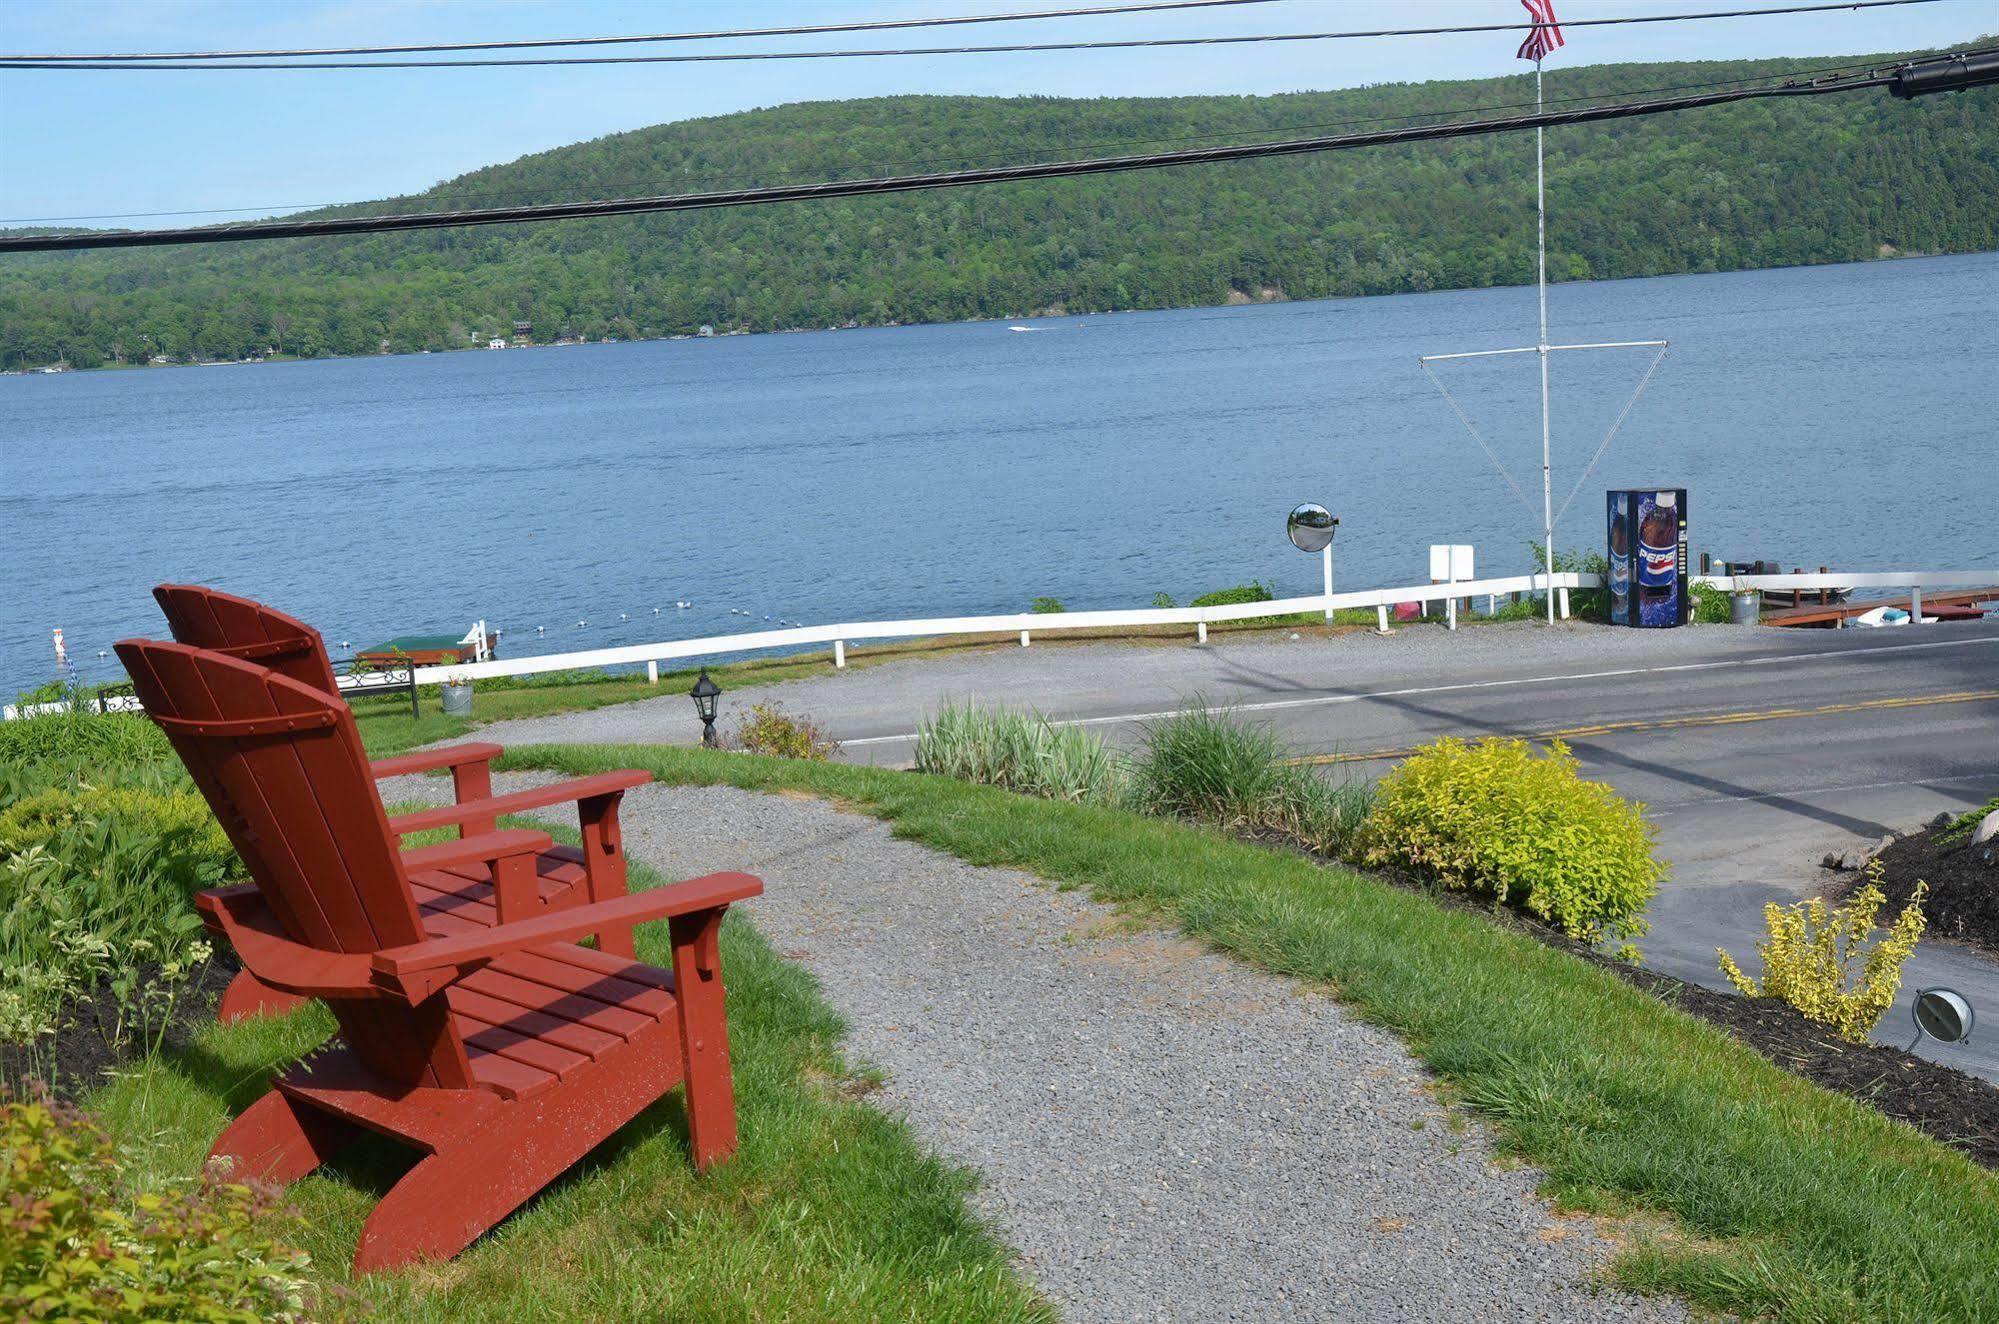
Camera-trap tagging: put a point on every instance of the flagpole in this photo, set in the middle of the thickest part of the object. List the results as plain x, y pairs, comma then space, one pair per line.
1541, 287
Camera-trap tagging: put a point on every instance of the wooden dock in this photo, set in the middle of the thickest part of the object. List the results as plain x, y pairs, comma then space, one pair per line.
1958, 605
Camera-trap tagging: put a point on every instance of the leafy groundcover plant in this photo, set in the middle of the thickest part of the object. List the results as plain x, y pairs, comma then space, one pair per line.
1498, 818
78, 1240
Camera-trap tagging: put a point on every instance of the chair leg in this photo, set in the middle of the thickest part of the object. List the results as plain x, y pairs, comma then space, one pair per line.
704, 1036
278, 1139
248, 996
476, 1179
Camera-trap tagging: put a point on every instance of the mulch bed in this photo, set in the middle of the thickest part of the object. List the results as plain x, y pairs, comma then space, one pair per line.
1963, 903
1945, 1104
83, 1051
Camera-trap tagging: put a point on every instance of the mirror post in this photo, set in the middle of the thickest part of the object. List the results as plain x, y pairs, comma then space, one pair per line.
1328, 566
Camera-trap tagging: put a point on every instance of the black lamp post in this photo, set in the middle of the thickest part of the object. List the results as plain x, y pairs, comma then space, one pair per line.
704, 694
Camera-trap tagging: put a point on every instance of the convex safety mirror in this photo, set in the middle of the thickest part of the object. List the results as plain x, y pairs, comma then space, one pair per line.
1310, 527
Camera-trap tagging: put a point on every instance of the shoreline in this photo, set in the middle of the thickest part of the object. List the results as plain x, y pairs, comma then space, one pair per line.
1235, 299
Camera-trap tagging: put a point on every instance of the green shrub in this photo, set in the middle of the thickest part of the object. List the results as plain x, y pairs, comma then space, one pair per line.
1496, 818
768, 729
1020, 751
1710, 606
1254, 591
1046, 606
1210, 767
79, 1242
103, 748
1961, 827
92, 884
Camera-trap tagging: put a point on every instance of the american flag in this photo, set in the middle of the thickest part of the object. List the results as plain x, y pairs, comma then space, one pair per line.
1543, 38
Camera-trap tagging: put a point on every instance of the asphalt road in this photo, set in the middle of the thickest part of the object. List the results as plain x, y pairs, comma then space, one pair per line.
1756, 750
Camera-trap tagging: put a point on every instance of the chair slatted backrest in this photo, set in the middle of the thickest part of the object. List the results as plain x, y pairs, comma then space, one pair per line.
243, 628
283, 763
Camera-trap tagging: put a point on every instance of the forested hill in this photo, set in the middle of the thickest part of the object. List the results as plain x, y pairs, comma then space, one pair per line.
1767, 183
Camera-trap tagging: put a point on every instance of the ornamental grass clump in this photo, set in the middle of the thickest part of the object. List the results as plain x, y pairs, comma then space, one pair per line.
1210, 767
1020, 751
1497, 818
1808, 957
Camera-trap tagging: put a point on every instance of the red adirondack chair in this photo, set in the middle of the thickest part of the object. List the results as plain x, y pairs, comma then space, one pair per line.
566, 875
493, 1044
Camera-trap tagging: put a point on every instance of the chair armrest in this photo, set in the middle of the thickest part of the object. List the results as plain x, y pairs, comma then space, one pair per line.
430, 760
582, 788
241, 915
711, 892
486, 848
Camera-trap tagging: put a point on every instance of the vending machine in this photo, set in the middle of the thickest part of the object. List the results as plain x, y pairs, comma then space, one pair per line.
1648, 556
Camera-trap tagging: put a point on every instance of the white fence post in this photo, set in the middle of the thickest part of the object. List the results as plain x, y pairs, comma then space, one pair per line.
1916, 605
1200, 632
1381, 617
1562, 601
652, 672
1023, 638
839, 652
1450, 613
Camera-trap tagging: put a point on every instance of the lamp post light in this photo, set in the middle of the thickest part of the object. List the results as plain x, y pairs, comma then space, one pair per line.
704, 694
1310, 528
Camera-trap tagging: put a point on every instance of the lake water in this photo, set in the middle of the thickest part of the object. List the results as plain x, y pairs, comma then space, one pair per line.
1838, 415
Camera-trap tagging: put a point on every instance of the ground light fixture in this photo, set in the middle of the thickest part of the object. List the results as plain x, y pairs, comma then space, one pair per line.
1310, 528
705, 693
1942, 1014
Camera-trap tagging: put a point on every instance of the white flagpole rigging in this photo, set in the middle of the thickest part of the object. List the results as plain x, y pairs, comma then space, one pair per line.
1545, 37
1541, 284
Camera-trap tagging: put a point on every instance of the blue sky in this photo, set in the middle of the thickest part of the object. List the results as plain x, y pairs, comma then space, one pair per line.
87, 143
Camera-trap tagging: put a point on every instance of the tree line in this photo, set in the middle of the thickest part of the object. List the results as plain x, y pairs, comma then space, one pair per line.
1759, 184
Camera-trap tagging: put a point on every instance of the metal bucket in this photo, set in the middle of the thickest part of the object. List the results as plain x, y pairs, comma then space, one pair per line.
457, 700
1744, 608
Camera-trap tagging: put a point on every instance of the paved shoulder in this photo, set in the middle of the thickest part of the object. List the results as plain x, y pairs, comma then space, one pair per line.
1164, 1134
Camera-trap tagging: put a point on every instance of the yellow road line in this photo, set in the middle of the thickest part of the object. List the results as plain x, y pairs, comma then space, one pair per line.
1664, 723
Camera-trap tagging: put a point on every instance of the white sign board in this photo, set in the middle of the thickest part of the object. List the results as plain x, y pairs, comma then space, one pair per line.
1450, 561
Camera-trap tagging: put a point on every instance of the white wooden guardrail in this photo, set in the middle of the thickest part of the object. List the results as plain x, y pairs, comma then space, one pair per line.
1028, 624
1025, 624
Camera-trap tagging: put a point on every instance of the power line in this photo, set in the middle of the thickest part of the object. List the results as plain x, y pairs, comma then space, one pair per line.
542, 43
937, 160
232, 63
1964, 69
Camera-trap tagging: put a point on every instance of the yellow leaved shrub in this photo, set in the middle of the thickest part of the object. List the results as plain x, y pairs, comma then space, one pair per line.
1498, 817
1808, 957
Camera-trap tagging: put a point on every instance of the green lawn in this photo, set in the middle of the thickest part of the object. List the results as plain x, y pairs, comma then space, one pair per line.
829, 1211
1750, 1190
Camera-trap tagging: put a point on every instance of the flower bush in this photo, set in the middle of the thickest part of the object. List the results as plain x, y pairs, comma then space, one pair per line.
78, 1242
1497, 818
768, 729
1808, 957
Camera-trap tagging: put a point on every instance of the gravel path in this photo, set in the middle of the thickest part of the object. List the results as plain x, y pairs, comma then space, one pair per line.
1163, 1133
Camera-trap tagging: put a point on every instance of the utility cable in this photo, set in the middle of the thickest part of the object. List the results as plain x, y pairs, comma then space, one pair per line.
543, 43
1965, 69
933, 161
246, 60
